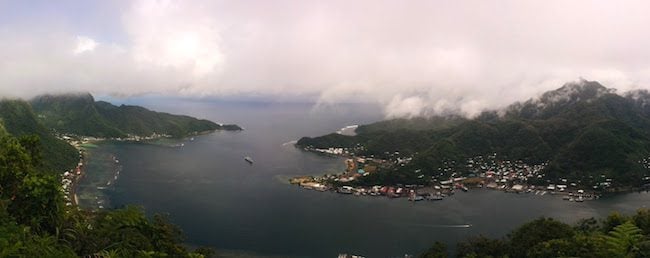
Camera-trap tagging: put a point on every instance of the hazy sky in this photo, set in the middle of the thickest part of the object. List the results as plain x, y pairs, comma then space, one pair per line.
414, 57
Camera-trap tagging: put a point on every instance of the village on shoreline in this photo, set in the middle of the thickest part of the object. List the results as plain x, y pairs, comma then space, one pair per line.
486, 172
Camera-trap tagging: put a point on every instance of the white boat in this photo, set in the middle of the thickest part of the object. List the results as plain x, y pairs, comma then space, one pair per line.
248, 159
416, 198
345, 190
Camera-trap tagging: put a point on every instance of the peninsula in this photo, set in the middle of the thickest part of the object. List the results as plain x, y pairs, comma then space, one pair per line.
580, 138
80, 114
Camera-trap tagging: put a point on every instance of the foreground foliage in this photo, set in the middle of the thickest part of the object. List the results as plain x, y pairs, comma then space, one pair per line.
614, 236
35, 223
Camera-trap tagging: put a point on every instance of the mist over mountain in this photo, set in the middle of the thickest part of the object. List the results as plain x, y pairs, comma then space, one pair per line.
581, 130
414, 59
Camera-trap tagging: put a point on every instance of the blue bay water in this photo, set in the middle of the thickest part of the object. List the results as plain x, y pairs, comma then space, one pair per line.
221, 201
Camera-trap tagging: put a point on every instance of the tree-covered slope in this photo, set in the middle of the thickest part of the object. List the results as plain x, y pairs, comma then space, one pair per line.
19, 120
616, 235
81, 114
582, 129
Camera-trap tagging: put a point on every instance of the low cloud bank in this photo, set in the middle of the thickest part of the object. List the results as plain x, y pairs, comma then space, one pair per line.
414, 58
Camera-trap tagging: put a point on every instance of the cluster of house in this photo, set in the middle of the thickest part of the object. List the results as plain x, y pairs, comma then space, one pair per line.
514, 176
332, 151
68, 178
503, 174
76, 139
412, 192
488, 171
338, 150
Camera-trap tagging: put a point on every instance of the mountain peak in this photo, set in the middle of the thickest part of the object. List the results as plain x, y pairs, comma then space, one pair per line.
554, 101
84, 97
581, 90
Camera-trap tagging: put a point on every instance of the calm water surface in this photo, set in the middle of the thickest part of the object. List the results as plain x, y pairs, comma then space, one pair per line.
219, 200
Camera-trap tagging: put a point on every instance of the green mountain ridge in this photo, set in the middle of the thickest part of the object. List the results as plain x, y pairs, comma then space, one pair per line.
80, 114
19, 120
583, 130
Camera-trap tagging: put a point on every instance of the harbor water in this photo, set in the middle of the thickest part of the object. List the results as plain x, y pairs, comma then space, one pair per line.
220, 200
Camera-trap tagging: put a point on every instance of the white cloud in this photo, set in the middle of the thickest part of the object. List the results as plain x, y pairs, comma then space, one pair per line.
405, 107
412, 57
84, 44
173, 34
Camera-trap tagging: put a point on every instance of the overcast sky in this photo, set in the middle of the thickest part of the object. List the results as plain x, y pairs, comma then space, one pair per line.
413, 57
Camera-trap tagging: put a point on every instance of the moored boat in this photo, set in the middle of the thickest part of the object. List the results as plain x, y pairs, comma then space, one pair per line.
416, 198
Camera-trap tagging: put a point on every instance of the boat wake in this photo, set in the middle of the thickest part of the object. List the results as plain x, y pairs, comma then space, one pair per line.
452, 226
438, 225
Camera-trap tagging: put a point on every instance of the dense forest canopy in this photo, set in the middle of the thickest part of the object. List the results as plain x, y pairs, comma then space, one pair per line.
19, 120
80, 114
614, 236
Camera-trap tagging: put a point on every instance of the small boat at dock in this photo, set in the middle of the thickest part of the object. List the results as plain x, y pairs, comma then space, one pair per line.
344, 190
416, 198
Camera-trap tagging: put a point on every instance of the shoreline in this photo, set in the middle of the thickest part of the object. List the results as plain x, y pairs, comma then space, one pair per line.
506, 179
431, 193
71, 179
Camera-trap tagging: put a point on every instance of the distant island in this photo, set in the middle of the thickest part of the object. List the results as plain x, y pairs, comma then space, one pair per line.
579, 137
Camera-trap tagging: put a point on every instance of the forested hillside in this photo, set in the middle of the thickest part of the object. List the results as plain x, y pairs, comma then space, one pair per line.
583, 130
80, 114
19, 120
